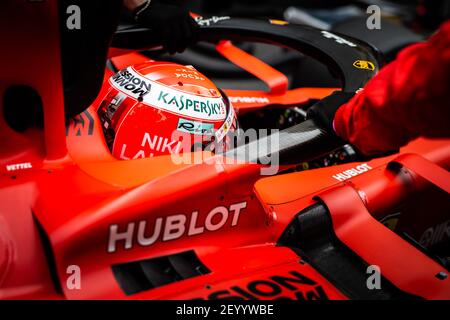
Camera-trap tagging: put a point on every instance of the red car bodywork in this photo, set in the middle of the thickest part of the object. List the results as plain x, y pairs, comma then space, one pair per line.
64, 194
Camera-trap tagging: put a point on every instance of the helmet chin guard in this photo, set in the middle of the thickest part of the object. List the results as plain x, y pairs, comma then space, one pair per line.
162, 108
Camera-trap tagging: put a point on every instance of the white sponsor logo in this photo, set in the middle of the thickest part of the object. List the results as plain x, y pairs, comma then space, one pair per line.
353, 172
249, 100
167, 98
214, 19
171, 227
338, 39
151, 143
18, 166
188, 73
435, 234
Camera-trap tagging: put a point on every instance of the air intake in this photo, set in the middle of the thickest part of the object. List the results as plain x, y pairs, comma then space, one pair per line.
138, 276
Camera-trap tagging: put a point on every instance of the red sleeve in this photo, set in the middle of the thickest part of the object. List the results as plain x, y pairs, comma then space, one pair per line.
408, 98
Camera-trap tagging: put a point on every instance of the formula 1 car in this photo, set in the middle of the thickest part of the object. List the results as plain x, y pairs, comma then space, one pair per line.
78, 223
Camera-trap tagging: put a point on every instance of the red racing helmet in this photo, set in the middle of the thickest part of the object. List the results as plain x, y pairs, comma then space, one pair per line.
160, 108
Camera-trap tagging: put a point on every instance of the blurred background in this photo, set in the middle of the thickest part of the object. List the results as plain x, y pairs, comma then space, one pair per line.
402, 23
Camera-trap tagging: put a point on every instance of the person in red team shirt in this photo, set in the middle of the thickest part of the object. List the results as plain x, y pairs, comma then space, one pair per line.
408, 98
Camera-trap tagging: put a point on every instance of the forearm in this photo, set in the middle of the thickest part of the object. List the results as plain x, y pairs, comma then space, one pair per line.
408, 98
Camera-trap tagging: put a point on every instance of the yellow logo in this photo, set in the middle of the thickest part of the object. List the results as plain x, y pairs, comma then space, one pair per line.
279, 22
363, 64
